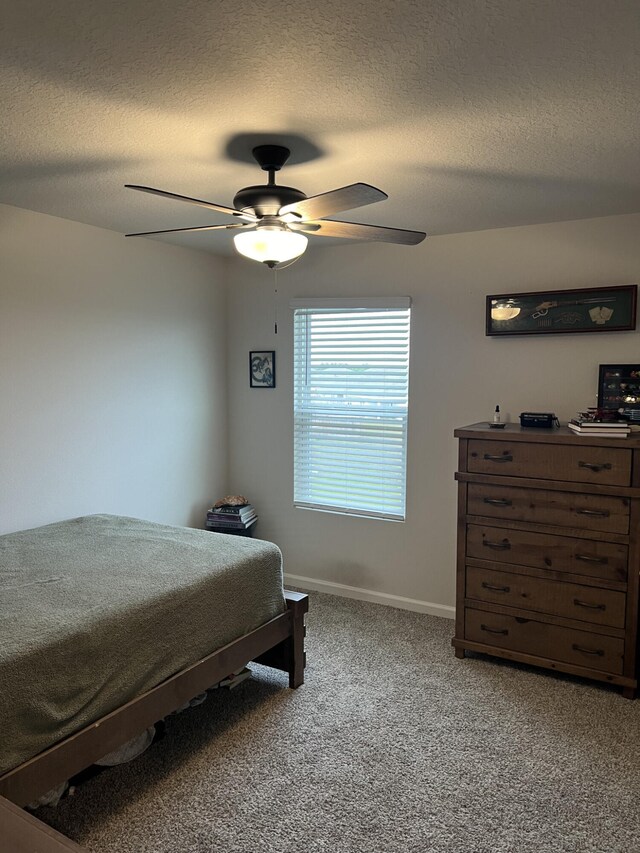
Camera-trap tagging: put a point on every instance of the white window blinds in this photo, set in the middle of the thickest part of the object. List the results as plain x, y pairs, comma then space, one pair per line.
351, 378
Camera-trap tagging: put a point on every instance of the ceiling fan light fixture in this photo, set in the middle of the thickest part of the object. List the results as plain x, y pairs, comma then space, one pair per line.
270, 245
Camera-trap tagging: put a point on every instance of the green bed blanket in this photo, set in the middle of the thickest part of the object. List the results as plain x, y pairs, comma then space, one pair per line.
96, 610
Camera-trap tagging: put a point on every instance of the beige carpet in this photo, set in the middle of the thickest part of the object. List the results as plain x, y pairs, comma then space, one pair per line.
392, 745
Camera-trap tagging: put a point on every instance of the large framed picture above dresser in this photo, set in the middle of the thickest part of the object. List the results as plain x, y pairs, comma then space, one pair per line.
549, 550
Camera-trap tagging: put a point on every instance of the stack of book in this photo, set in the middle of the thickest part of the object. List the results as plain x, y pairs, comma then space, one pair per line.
602, 428
231, 518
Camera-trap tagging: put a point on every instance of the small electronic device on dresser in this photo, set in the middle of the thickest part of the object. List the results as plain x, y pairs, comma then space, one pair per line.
539, 420
549, 550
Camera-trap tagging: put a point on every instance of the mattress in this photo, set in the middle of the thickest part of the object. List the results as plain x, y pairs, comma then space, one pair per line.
96, 610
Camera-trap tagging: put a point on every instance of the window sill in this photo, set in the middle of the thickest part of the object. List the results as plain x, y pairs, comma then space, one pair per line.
348, 513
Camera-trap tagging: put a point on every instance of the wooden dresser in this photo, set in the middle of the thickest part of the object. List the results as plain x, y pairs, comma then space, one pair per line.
549, 550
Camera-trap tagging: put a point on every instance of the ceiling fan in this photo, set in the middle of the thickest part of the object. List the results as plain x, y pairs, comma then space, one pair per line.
276, 219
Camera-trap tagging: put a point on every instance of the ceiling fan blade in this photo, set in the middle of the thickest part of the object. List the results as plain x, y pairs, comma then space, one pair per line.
208, 204
344, 198
356, 231
196, 228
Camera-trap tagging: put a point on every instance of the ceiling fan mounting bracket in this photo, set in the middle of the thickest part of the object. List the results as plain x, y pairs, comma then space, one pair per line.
271, 158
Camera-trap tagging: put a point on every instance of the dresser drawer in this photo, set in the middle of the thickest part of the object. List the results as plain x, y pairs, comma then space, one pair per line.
586, 603
591, 512
581, 648
605, 560
609, 466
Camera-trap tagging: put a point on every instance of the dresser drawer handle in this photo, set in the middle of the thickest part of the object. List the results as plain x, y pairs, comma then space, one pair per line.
498, 501
505, 545
604, 466
506, 457
587, 559
602, 513
577, 648
493, 588
590, 606
489, 630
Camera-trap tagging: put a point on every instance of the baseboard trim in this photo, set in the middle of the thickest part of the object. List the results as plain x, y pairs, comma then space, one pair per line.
345, 591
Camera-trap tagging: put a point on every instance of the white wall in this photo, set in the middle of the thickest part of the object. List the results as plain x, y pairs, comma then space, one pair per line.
112, 375
457, 376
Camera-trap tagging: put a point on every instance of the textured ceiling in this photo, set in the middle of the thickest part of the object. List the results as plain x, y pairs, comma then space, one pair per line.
470, 114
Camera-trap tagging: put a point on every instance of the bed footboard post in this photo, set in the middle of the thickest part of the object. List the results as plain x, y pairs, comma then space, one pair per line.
288, 655
298, 604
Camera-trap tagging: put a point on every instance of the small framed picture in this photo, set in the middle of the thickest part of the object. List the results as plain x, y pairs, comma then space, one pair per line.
262, 369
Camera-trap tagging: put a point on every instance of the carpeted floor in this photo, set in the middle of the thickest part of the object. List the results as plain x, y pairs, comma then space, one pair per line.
391, 746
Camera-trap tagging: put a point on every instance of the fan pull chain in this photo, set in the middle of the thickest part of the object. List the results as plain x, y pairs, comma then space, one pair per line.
275, 301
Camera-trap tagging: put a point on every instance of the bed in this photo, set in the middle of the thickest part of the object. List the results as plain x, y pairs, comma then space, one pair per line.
107, 624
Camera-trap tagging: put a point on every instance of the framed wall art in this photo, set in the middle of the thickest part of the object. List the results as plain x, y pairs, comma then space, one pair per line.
591, 309
262, 369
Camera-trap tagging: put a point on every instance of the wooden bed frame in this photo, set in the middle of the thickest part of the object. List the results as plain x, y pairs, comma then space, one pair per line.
21, 832
278, 643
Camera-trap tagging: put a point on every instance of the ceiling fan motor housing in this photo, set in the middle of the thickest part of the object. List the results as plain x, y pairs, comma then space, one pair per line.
266, 199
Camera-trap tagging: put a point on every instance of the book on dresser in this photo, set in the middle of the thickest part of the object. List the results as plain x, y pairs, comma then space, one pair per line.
613, 430
549, 550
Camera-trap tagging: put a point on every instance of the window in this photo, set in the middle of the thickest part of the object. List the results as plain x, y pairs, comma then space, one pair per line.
351, 382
